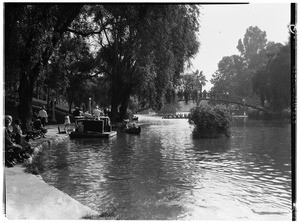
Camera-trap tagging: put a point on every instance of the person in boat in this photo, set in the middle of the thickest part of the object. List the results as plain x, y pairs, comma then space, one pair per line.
105, 111
126, 124
130, 115
76, 112
97, 113
134, 126
88, 115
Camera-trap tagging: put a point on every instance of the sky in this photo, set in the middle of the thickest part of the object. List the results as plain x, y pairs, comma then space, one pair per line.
223, 25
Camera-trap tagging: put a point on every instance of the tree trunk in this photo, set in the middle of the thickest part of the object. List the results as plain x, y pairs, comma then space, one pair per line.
115, 100
70, 102
114, 111
125, 103
198, 99
70, 105
28, 76
25, 96
48, 99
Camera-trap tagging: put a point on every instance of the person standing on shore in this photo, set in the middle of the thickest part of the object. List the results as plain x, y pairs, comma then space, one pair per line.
43, 115
67, 121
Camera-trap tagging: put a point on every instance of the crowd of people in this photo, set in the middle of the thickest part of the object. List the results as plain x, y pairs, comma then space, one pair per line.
96, 113
17, 145
17, 148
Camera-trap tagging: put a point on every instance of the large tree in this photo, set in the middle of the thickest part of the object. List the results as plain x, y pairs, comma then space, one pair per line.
144, 48
72, 65
31, 33
235, 72
273, 81
191, 84
252, 47
230, 75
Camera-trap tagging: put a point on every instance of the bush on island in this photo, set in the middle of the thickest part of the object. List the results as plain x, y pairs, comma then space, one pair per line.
210, 122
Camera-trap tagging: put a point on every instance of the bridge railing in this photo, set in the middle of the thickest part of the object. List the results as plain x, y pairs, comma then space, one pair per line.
215, 96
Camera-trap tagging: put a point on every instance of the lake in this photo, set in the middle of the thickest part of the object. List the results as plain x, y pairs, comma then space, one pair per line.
164, 174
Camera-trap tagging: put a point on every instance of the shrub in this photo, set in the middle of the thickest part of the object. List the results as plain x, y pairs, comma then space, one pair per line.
210, 122
286, 113
269, 115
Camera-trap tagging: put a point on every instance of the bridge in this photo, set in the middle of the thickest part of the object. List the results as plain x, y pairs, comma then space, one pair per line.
223, 98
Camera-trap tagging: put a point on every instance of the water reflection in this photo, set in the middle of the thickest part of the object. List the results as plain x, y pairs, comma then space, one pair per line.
165, 174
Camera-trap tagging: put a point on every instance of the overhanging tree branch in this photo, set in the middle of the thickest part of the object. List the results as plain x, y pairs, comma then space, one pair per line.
86, 34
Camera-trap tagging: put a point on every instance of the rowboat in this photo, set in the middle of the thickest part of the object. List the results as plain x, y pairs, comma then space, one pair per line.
133, 130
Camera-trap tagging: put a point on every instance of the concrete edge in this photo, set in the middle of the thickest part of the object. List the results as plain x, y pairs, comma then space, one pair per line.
14, 211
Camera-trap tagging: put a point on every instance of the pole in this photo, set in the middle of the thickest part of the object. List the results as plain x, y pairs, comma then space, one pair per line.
53, 111
244, 106
90, 105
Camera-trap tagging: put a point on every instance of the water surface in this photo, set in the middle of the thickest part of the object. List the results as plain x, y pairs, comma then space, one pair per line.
165, 174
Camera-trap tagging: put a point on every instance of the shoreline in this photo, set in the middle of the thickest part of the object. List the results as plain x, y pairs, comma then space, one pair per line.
28, 196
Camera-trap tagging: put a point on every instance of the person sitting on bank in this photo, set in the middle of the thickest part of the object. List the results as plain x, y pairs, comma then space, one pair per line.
20, 138
37, 124
12, 150
17, 127
43, 116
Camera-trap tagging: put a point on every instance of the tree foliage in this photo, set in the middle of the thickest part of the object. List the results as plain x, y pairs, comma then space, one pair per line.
273, 81
235, 72
132, 49
252, 47
144, 50
190, 85
71, 66
248, 74
31, 33
231, 70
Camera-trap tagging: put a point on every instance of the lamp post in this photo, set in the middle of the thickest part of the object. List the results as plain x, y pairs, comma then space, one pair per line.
53, 111
244, 106
90, 105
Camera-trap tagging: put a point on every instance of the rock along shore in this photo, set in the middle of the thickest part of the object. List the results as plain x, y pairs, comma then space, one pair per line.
27, 196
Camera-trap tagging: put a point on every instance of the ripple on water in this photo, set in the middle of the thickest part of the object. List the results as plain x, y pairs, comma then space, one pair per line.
166, 174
